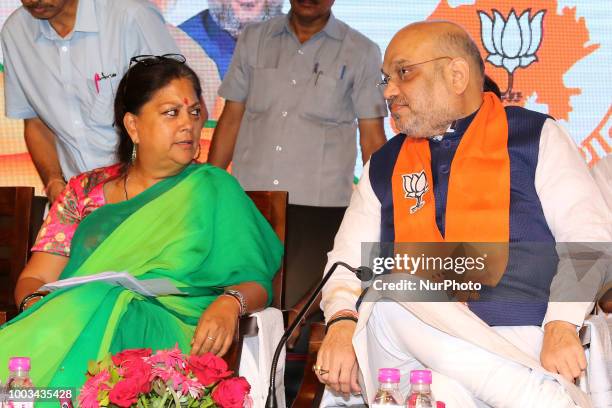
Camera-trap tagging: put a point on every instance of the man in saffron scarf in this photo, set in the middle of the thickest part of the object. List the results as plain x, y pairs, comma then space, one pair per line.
482, 173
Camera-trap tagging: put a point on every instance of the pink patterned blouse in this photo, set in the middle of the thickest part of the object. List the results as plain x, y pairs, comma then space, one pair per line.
83, 194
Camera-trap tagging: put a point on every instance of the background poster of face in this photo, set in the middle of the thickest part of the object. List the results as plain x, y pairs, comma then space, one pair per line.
552, 56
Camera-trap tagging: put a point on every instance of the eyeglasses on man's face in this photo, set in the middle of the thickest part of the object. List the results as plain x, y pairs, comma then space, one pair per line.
404, 71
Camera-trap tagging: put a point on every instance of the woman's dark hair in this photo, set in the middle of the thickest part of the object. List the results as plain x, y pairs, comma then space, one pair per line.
138, 86
491, 86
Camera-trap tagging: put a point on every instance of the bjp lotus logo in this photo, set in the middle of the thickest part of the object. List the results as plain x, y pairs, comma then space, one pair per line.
415, 186
511, 42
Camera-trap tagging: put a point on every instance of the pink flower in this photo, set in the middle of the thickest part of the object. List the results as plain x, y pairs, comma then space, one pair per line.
162, 372
208, 368
127, 356
191, 387
88, 398
125, 392
169, 358
231, 393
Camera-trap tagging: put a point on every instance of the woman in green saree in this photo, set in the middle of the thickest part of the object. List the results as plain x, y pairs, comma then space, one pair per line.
156, 214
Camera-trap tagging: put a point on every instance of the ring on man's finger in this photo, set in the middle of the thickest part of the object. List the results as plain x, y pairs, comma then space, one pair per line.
210, 338
319, 370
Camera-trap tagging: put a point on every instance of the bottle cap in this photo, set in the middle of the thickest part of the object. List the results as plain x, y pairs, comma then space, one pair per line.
420, 377
389, 375
19, 363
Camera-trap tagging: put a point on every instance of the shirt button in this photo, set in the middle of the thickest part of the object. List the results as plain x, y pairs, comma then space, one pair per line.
446, 143
275, 182
284, 114
279, 148
444, 169
293, 82
64, 48
300, 52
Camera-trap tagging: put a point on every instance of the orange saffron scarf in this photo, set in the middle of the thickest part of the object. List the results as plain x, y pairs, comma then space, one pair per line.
478, 198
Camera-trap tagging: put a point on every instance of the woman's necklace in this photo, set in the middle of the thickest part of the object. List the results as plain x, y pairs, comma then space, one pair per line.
125, 179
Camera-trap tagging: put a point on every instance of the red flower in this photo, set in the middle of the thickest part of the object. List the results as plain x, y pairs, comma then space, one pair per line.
208, 368
140, 372
231, 393
125, 393
130, 355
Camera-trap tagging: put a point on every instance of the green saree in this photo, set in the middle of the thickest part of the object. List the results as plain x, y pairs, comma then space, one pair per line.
197, 229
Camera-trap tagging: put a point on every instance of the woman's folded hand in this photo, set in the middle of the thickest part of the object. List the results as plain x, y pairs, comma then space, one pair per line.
215, 330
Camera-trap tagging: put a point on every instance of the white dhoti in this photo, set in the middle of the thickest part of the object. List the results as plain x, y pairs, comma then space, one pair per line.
473, 364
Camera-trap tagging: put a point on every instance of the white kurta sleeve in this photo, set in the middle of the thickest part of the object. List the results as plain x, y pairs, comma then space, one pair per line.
361, 223
575, 212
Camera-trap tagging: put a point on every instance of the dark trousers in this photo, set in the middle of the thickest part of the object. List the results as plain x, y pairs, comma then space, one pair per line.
310, 236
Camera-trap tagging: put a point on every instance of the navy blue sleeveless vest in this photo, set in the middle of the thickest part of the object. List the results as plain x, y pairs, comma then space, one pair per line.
520, 298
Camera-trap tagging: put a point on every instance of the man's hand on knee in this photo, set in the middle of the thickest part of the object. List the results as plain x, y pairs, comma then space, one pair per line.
337, 360
562, 350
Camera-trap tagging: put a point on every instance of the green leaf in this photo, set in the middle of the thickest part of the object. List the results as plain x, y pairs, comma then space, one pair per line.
159, 387
106, 362
114, 375
175, 397
207, 402
93, 368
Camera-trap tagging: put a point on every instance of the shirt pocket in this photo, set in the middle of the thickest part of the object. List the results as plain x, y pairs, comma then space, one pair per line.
102, 111
262, 90
324, 99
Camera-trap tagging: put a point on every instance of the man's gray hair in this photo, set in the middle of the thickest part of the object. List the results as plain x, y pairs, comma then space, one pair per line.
458, 44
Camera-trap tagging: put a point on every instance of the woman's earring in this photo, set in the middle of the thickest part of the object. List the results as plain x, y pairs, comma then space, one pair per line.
197, 155
133, 159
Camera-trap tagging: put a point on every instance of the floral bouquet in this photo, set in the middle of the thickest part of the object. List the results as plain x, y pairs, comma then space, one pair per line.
167, 378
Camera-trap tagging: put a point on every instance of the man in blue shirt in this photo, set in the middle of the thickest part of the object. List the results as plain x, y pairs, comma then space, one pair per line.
63, 60
217, 28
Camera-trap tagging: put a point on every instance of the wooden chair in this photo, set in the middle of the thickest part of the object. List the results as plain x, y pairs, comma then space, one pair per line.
311, 390
273, 206
15, 216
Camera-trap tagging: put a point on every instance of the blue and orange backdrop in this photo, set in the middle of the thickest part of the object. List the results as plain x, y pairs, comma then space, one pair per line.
552, 56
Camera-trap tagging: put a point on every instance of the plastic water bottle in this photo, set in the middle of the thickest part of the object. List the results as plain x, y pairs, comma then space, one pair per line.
2, 395
420, 390
18, 380
388, 393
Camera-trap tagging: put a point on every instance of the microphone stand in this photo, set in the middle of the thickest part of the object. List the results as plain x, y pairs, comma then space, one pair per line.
361, 272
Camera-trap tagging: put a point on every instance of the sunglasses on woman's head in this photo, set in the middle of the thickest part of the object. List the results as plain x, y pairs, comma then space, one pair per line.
148, 60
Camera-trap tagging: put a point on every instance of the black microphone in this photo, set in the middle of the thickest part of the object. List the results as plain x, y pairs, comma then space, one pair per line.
363, 272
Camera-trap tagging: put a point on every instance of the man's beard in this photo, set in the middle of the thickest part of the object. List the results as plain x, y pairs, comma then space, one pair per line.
426, 121
223, 14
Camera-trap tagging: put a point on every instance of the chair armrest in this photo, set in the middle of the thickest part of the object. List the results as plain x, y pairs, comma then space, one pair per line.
247, 326
585, 335
311, 390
